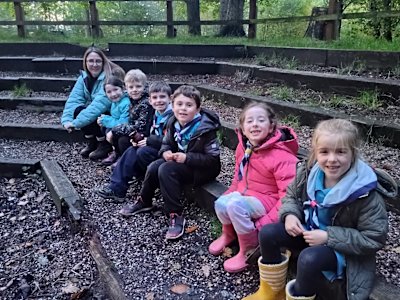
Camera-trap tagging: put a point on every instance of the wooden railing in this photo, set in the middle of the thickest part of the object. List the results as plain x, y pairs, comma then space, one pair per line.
94, 22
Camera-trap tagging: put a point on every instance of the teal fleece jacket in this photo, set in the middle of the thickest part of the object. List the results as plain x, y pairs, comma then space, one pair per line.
96, 102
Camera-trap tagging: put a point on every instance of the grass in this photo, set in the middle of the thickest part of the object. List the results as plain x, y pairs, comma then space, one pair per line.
241, 76
356, 66
276, 61
291, 121
283, 92
360, 42
216, 227
369, 100
20, 91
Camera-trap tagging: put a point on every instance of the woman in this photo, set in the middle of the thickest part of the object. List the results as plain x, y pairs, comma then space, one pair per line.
88, 101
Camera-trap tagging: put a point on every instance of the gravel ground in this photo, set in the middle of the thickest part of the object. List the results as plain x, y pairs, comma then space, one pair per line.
39, 256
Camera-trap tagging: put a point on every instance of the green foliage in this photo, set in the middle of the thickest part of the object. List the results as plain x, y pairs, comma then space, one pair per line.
276, 61
241, 76
21, 91
220, 136
291, 121
283, 92
216, 227
369, 100
356, 67
337, 101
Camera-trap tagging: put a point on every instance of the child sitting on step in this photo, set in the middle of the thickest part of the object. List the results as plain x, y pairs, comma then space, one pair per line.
114, 89
144, 150
334, 214
140, 115
190, 155
265, 165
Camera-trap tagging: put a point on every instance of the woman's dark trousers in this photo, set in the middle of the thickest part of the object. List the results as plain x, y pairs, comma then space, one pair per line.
91, 130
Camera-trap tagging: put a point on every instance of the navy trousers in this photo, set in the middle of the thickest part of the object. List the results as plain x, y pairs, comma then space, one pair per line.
170, 177
133, 163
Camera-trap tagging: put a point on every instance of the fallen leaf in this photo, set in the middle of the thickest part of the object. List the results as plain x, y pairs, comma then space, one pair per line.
13, 219
150, 296
180, 289
42, 250
40, 197
11, 181
99, 172
57, 223
227, 252
22, 203
32, 194
206, 270
397, 249
3, 288
28, 244
21, 218
191, 229
69, 289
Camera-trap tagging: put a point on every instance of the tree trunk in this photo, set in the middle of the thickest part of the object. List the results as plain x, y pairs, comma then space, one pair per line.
231, 10
376, 26
193, 16
387, 22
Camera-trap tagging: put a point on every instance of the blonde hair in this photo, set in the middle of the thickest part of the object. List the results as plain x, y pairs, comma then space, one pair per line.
135, 75
270, 113
109, 68
346, 132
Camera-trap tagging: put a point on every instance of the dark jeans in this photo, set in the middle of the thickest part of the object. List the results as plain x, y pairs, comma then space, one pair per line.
310, 263
170, 177
93, 129
133, 163
121, 143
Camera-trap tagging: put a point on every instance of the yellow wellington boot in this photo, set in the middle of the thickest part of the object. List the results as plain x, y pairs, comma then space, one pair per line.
272, 280
289, 287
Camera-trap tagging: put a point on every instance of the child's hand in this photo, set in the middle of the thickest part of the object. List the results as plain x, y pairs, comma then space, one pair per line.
99, 120
69, 126
315, 237
142, 143
179, 157
168, 156
293, 225
134, 144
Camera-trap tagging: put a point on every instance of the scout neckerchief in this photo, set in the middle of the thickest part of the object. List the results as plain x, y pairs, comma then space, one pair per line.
159, 121
182, 135
245, 159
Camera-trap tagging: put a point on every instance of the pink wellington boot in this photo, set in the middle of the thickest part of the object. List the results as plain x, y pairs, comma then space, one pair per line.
228, 236
247, 242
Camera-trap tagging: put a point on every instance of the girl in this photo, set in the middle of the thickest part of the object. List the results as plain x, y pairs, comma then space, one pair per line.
333, 214
265, 165
114, 89
88, 101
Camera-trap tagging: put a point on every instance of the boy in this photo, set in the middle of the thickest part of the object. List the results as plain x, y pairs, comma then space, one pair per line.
144, 150
140, 114
190, 155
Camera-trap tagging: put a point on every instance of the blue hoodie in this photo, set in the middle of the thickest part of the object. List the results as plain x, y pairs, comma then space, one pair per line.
96, 102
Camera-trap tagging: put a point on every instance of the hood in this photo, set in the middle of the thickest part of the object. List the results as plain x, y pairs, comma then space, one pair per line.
387, 186
284, 138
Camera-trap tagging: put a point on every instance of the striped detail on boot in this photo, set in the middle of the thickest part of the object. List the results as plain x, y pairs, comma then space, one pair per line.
289, 292
275, 274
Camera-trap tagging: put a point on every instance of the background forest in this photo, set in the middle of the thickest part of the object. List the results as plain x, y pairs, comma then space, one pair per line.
359, 29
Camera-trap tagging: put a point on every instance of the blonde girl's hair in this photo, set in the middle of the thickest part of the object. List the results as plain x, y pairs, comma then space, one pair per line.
135, 75
270, 113
188, 91
344, 129
109, 68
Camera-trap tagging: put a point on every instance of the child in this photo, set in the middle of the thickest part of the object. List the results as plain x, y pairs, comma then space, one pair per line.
190, 155
134, 161
140, 114
334, 214
114, 89
265, 165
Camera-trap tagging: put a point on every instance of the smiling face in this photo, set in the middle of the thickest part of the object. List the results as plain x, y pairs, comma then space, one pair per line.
184, 109
159, 101
256, 125
135, 89
113, 92
333, 157
94, 64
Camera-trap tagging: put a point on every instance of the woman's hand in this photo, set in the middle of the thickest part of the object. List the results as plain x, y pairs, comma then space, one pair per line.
142, 143
179, 157
315, 237
69, 126
293, 225
168, 156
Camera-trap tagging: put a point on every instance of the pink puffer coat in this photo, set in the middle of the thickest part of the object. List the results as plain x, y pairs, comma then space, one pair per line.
271, 168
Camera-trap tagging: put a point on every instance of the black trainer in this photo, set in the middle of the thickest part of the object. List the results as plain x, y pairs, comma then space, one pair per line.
136, 207
176, 226
107, 193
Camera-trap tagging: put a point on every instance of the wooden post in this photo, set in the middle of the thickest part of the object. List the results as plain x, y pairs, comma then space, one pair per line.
20, 18
94, 19
330, 26
252, 16
170, 19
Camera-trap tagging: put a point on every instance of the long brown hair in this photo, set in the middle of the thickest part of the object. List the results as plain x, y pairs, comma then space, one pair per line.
109, 67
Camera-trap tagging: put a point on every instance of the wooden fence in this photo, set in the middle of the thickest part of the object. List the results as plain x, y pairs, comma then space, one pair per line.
94, 22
